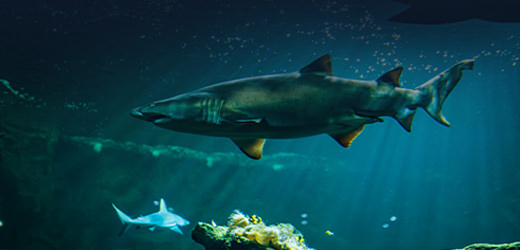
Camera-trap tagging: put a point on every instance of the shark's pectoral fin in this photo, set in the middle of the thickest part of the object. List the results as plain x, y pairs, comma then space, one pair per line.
237, 117
176, 229
251, 147
249, 120
346, 139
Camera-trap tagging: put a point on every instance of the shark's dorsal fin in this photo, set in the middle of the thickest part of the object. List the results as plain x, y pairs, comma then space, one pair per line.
346, 139
322, 65
251, 147
391, 78
162, 207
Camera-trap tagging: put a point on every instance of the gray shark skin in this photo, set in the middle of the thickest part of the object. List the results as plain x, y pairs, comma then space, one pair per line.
161, 219
305, 103
452, 11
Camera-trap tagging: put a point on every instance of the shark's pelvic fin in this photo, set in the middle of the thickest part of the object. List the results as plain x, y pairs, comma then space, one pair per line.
346, 139
322, 65
391, 78
251, 147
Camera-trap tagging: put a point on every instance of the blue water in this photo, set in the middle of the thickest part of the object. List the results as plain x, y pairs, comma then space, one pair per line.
76, 69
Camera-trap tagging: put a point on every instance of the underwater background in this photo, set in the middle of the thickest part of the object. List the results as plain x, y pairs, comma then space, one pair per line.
72, 70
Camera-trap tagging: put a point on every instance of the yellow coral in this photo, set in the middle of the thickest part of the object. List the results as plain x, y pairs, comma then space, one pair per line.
237, 219
281, 237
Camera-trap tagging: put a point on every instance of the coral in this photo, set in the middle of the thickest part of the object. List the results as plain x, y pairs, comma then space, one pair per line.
244, 232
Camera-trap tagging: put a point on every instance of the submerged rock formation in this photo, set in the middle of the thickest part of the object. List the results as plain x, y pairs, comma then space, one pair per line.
486, 246
248, 233
275, 161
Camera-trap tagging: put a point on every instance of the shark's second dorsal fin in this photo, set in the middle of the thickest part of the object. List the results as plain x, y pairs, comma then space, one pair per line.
391, 78
322, 65
162, 207
251, 147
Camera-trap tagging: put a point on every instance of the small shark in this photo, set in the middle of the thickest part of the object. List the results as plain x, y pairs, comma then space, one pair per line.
163, 218
305, 103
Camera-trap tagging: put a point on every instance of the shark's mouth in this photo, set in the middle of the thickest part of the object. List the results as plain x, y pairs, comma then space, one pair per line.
150, 117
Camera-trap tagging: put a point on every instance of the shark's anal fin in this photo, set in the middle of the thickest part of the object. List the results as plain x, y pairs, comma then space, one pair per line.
322, 65
346, 139
251, 147
405, 118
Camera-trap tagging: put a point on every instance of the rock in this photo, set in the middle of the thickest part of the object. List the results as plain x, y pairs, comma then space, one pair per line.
486, 246
248, 233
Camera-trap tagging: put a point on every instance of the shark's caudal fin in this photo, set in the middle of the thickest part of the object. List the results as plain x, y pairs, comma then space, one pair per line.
122, 216
435, 91
125, 219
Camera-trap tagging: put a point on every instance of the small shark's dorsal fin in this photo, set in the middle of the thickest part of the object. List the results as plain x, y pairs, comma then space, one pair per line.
391, 78
322, 65
162, 207
346, 139
251, 147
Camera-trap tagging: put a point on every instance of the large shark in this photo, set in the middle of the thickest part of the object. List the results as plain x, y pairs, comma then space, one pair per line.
451, 11
305, 103
161, 219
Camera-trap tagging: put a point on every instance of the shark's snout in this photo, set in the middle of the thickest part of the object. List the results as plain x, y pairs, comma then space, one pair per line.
136, 113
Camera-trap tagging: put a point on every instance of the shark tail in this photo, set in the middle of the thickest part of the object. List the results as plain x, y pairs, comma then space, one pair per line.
125, 219
435, 91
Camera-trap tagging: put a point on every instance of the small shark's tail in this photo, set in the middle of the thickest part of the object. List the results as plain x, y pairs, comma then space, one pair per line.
435, 91
125, 219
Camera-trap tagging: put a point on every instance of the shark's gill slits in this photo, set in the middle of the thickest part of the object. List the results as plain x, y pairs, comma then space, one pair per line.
211, 110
